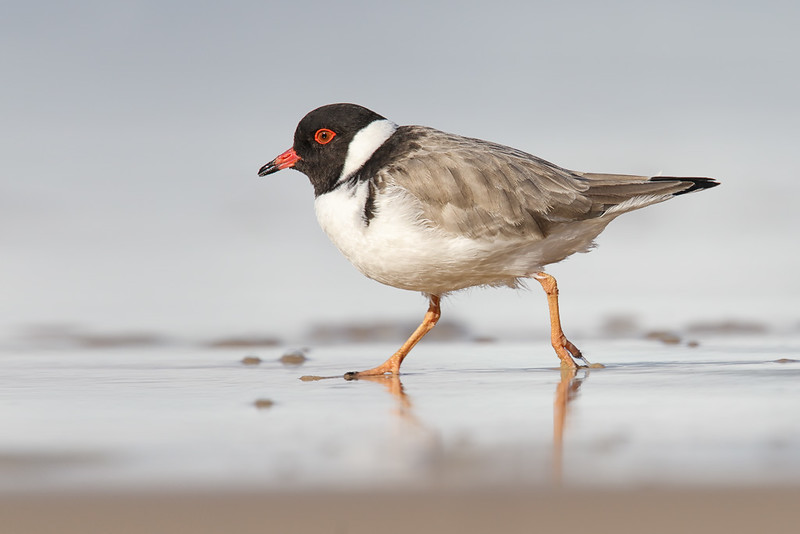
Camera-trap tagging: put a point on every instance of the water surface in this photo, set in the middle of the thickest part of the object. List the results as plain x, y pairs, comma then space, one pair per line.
462, 415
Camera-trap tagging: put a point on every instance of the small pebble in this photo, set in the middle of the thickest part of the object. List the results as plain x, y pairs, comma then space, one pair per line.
310, 378
293, 357
263, 404
665, 337
251, 360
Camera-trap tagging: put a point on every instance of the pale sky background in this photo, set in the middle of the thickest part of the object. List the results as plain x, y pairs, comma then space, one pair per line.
132, 133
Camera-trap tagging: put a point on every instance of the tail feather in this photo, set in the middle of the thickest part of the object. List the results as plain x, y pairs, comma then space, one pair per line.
696, 183
619, 193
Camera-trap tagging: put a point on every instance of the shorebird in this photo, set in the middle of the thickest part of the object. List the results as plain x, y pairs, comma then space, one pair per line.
424, 210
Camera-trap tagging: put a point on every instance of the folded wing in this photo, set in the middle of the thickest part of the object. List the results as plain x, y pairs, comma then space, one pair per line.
481, 189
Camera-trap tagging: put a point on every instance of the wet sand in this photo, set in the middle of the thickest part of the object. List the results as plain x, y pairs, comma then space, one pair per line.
487, 437
508, 512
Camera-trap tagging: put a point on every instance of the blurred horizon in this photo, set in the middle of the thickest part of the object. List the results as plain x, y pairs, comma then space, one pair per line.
133, 133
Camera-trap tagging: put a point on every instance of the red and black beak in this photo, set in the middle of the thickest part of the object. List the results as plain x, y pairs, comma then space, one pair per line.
284, 161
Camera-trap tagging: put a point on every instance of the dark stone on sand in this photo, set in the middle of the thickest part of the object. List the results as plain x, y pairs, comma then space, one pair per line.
311, 378
620, 326
293, 357
388, 331
243, 342
264, 404
65, 335
251, 360
106, 341
728, 327
663, 336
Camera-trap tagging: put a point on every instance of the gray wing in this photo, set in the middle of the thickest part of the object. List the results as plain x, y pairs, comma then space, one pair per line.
480, 189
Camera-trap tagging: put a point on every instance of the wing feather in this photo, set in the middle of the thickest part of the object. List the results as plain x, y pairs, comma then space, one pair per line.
480, 189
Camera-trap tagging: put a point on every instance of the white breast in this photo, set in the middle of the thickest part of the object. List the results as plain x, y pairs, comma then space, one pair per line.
399, 249
393, 248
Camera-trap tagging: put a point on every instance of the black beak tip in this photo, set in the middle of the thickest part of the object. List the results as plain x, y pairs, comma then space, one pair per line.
269, 168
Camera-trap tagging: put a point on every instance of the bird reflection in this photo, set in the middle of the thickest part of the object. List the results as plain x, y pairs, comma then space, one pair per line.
566, 392
394, 386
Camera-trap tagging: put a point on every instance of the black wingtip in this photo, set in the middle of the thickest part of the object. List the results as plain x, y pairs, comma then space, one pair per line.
697, 183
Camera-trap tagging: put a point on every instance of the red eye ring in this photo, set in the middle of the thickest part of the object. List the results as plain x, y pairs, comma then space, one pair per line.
324, 136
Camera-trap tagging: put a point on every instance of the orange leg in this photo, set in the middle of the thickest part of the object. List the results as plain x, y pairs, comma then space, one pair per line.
565, 350
392, 365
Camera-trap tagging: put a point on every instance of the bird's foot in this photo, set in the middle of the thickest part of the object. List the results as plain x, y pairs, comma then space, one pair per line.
390, 366
574, 352
569, 353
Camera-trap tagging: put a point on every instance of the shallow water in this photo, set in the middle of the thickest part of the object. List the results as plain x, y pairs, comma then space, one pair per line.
461, 415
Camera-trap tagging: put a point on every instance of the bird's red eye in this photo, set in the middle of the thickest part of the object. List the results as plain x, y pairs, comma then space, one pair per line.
324, 136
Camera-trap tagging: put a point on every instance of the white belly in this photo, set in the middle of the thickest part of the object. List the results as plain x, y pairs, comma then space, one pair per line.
399, 249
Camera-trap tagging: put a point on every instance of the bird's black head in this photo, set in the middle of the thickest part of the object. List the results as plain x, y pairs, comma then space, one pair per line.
321, 143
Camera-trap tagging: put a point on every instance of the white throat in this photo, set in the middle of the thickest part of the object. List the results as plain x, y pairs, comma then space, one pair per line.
366, 141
